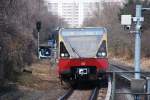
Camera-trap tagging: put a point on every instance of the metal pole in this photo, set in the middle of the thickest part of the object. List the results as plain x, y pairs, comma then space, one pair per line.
113, 86
38, 31
138, 44
38, 45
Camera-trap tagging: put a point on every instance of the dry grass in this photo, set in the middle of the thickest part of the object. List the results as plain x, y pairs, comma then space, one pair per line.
42, 77
145, 64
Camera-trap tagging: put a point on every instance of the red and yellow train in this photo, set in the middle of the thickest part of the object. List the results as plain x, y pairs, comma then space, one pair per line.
83, 54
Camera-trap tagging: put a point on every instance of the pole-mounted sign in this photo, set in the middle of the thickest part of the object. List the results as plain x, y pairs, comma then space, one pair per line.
138, 19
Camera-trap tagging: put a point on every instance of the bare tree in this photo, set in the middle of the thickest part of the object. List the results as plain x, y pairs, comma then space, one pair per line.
18, 33
107, 16
129, 8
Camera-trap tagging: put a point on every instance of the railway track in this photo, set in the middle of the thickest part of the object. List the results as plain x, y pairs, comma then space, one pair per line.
123, 72
97, 93
115, 68
75, 94
67, 94
127, 76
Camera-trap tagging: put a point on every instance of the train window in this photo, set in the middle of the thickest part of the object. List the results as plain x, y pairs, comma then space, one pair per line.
102, 52
63, 50
83, 42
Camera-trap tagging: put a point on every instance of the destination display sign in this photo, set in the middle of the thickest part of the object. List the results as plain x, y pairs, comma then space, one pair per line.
83, 32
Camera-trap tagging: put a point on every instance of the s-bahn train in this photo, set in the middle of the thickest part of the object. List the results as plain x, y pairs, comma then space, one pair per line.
82, 54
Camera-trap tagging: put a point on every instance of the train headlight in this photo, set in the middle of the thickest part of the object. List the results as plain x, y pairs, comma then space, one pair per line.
62, 54
99, 54
103, 54
66, 55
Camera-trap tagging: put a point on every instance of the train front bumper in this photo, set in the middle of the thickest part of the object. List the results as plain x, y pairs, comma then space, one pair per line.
83, 74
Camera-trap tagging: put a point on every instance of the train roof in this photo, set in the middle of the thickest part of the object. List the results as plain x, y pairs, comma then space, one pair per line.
103, 28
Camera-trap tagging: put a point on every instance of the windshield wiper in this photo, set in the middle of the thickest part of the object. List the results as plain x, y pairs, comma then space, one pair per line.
74, 50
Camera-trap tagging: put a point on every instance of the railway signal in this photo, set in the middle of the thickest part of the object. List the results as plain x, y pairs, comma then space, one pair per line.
38, 27
138, 19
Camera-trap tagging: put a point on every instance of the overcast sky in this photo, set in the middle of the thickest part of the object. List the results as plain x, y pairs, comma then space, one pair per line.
86, 0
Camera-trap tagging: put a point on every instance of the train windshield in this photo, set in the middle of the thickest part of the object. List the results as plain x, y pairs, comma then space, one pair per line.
83, 42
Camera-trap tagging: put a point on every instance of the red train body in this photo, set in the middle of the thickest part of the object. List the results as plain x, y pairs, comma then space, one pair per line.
74, 64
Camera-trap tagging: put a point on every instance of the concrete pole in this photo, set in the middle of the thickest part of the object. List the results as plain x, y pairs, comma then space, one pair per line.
138, 41
138, 45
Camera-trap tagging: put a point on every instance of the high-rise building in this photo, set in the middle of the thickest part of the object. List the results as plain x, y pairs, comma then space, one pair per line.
74, 11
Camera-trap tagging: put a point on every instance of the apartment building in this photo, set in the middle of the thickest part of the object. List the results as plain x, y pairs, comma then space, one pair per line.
74, 11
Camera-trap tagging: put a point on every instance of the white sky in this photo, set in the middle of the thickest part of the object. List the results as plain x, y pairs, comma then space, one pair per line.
84, 0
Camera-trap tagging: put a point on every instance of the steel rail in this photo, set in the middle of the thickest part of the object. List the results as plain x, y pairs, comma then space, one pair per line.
115, 68
108, 95
94, 94
66, 95
128, 73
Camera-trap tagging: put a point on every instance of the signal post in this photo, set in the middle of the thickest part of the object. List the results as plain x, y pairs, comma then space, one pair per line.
127, 21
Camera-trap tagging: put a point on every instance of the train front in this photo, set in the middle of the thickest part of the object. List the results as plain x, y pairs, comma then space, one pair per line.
82, 54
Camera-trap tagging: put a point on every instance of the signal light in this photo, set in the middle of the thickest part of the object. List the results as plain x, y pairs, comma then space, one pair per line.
38, 25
